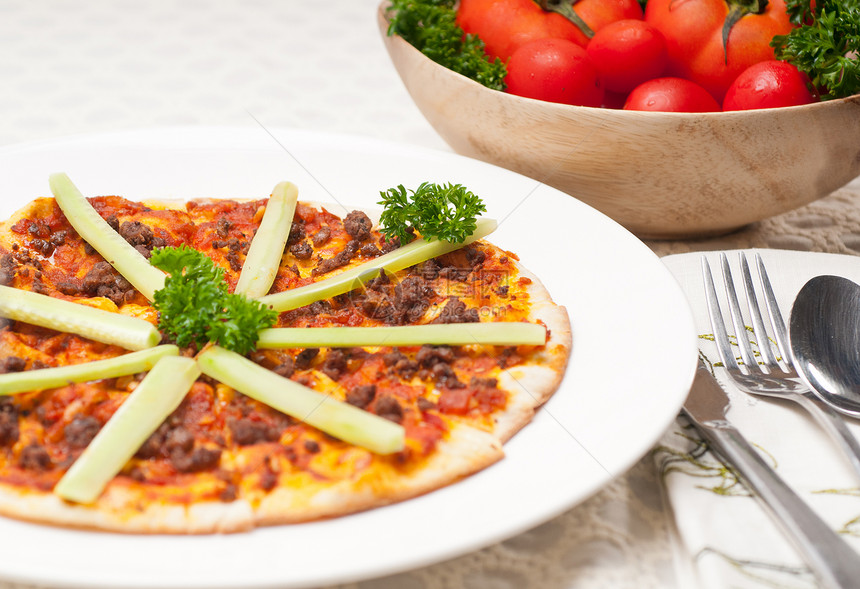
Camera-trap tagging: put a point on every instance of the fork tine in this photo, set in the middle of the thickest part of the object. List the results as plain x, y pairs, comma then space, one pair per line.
761, 337
721, 338
776, 320
741, 336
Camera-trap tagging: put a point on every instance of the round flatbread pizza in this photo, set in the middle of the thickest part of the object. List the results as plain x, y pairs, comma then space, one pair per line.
223, 460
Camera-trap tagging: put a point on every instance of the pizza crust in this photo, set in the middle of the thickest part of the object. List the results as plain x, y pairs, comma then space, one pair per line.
120, 511
463, 452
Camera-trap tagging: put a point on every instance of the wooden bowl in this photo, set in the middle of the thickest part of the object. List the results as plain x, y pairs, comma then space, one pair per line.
661, 175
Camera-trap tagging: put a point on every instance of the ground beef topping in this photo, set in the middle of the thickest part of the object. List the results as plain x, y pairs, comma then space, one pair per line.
342, 258
285, 368
246, 431
400, 364
302, 250
35, 457
104, 281
9, 431
444, 375
141, 237
389, 408
177, 444
388, 245
305, 357
429, 356
357, 225
223, 226
7, 269
12, 364
322, 236
81, 430
396, 304
362, 395
297, 233
369, 250
455, 311
334, 364
199, 459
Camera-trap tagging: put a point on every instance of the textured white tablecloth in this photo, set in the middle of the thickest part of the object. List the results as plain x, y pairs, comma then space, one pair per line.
105, 65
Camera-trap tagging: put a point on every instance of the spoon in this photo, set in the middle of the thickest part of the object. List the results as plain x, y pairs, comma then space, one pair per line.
824, 331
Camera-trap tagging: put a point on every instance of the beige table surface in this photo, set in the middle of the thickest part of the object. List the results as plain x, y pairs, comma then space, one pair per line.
72, 68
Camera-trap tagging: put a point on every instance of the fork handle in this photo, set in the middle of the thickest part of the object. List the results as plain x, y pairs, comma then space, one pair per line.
833, 562
834, 424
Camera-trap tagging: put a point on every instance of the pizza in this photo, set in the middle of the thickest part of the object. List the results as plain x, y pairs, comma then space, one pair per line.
223, 461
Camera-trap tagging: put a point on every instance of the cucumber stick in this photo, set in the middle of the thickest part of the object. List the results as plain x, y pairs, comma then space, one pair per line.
455, 334
145, 408
88, 223
415, 252
335, 418
96, 324
49, 378
267, 247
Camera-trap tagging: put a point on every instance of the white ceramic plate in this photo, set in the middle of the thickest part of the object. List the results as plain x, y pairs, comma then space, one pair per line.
634, 352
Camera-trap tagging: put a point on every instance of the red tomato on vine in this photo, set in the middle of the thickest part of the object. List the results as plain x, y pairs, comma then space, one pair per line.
768, 84
712, 41
555, 70
599, 13
671, 95
627, 53
506, 25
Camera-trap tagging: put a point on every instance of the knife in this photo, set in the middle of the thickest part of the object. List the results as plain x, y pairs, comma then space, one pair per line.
832, 561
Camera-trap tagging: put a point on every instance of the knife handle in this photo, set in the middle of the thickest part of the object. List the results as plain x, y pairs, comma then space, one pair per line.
833, 562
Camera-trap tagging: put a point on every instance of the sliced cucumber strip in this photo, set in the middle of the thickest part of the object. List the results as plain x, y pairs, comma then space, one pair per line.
455, 334
49, 378
412, 253
103, 326
264, 256
335, 418
88, 223
145, 408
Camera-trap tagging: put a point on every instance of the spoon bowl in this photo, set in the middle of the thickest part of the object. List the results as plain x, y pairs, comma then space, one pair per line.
824, 331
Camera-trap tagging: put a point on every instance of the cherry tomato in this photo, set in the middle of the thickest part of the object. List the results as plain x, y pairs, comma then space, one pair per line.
671, 95
768, 84
600, 13
627, 53
694, 38
555, 70
506, 25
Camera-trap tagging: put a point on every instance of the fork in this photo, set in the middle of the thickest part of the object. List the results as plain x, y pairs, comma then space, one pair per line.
766, 374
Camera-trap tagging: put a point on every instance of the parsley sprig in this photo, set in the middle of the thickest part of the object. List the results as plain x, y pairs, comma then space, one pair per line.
825, 45
447, 212
195, 306
431, 27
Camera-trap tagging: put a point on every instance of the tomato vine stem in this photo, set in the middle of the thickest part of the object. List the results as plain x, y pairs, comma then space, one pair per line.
565, 8
737, 10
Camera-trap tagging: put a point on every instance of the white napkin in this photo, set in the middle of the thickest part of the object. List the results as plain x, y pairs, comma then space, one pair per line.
726, 536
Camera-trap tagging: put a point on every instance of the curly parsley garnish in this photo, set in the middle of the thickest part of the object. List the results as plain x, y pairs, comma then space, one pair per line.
447, 212
195, 306
431, 27
825, 45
